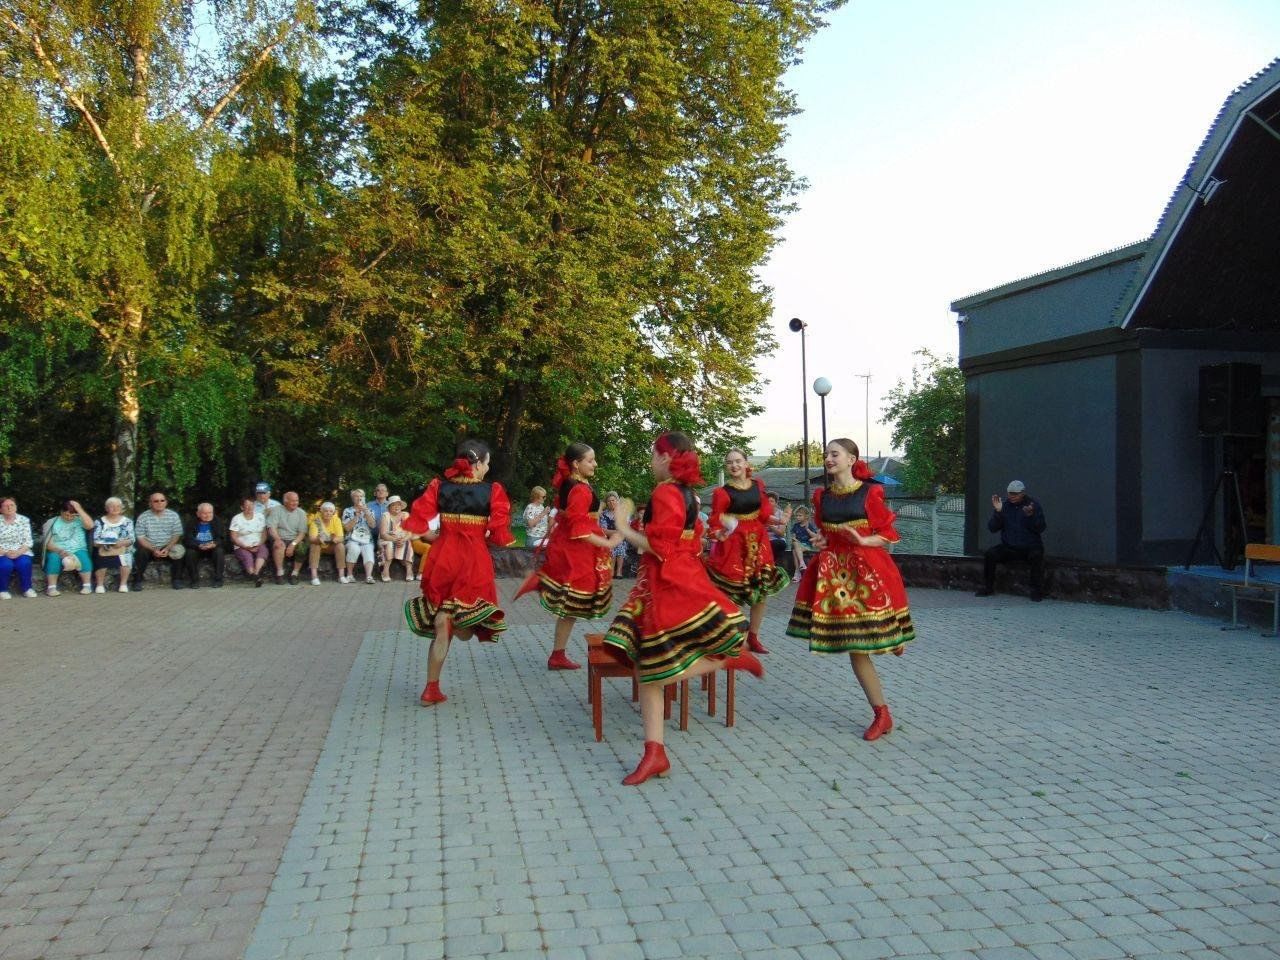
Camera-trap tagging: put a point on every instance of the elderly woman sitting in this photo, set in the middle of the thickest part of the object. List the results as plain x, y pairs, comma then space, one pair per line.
395, 540
66, 546
16, 549
113, 538
326, 534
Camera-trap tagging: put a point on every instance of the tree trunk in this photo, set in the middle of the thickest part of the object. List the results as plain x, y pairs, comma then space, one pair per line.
124, 451
508, 439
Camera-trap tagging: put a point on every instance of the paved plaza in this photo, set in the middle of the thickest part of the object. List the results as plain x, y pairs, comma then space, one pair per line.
247, 773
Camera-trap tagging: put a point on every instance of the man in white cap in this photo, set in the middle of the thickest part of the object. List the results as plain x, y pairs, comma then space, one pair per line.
1019, 520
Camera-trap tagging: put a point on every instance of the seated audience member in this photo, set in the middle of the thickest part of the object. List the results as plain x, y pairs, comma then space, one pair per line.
378, 506
326, 535
262, 503
159, 533
17, 549
1019, 519
112, 545
205, 536
262, 499
360, 531
537, 519
394, 540
66, 548
778, 521
287, 525
802, 534
248, 530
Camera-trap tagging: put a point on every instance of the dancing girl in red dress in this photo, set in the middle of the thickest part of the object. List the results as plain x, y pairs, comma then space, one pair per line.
741, 562
851, 598
674, 625
462, 513
575, 582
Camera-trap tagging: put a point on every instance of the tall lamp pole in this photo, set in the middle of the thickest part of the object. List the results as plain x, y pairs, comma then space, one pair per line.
822, 386
798, 326
866, 438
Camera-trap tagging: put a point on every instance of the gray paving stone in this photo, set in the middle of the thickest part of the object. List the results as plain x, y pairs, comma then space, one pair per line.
326, 796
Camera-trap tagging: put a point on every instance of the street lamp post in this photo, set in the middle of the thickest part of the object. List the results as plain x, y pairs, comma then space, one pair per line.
822, 386
798, 326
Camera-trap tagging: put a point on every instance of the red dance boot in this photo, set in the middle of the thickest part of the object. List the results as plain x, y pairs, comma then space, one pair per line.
431, 694
754, 644
746, 660
559, 660
881, 725
654, 763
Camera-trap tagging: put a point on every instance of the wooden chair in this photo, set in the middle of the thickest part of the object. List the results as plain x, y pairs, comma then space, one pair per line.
731, 694
604, 661
1258, 592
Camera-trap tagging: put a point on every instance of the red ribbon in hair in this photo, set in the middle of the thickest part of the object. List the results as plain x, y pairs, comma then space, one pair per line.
563, 471
862, 472
684, 464
461, 468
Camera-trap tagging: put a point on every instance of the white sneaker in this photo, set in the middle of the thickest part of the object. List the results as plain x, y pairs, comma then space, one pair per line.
30, 593
5, 595
345, 579
86, 589
52, 592
124, 588
315, 581
99, 589
368, 579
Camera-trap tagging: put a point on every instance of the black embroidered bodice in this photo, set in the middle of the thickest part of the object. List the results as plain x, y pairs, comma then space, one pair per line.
844, 507
743, 502
467, 499
562, 500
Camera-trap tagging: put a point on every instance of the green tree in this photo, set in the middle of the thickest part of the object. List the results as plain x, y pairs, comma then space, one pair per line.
928, 424
562, 211
789, 456
136, 100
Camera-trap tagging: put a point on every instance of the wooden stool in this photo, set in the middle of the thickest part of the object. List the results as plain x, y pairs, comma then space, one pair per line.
603, 661
731, 694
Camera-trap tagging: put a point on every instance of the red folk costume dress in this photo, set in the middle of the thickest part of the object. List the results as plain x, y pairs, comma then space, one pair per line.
457, 573
674, 616
851, 598
576, 578
742, 564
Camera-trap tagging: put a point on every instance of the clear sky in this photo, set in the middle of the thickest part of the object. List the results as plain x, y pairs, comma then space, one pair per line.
955, 145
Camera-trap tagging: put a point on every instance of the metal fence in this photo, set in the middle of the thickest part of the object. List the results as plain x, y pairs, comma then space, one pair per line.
930, 526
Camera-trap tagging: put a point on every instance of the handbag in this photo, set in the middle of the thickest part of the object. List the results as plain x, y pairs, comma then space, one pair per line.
177, 552
70, 563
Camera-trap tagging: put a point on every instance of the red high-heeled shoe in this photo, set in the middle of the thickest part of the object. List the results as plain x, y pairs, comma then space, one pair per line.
431, 694
559, 660
746, 660
754, 644
881, 725
654, 763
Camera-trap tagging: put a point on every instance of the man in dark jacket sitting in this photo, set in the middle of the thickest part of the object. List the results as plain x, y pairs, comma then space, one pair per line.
1019, 520
204, 538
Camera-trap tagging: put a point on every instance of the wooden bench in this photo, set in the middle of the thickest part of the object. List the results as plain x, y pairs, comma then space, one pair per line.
1264, 592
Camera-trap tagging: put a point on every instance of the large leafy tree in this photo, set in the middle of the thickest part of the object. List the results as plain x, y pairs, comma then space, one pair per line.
561, 212
124, 107
928, 424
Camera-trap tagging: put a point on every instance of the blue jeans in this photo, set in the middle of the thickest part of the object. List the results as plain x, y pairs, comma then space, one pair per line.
23, 565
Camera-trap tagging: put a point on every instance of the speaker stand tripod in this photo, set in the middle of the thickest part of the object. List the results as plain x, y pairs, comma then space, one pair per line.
1228, 541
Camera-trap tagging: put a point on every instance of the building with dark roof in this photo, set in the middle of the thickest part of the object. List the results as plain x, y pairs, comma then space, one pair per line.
1085, 382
